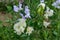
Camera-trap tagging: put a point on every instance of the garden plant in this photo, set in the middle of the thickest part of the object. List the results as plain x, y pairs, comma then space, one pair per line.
29, 19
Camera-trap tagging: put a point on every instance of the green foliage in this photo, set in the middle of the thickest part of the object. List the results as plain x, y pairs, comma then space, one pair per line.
9, 8
2, 6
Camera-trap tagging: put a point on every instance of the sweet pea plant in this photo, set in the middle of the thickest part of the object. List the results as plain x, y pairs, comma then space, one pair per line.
32, 20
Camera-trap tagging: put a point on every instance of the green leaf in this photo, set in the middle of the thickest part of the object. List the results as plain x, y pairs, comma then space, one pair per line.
9, 8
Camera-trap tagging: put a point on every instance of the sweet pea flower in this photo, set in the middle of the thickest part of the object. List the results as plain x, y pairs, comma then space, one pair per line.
49, 12
56, 4
46, 16
19, 30
27, 16
15, 8
29, 30
41, 1
27, 12
20, 6
20, 26
46, 24
22, 15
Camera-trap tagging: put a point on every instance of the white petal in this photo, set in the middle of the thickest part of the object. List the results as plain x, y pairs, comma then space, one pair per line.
46, 23
46, 16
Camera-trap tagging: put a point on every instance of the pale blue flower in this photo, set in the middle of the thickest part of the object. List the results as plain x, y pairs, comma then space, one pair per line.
15, 8
41, 0
27, 12
28, 16
22, 15
20, 6
56, 4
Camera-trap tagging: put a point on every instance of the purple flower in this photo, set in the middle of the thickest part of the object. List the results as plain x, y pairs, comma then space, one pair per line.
56, 4
41, 0
27, 12
22, 15
28, 16
15, 8
20, 6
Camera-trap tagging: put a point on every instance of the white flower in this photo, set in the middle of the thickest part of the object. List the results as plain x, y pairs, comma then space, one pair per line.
15, 8
47, 8
49, 12
22, 22
19, 27
19, 30
46, 16
46, 24
42, 4
29, 30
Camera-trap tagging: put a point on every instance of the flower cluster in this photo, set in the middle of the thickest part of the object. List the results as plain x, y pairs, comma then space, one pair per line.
17, 8
20, 26
56, 4
48, 13
27, 13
